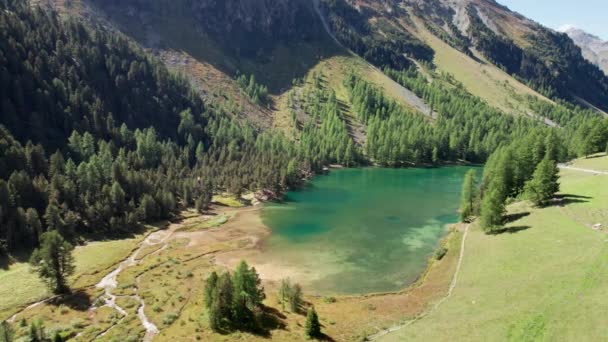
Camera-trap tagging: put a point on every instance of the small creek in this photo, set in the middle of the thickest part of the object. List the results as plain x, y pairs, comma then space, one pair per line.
109, 283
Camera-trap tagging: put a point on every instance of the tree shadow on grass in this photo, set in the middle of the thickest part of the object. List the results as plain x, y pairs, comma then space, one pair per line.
262, 324
324, 337
517, 216
78, 300
271, 319
563, 200
509, 230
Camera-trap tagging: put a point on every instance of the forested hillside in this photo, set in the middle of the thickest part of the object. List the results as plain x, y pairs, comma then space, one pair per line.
98, 137
551, 63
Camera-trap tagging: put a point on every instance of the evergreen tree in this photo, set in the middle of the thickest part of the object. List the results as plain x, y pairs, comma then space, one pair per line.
36, 332
284, 292
295, 298
544, 183
468, 206
223, 303
6, 332
210, 288
53, 261
248, 294
312, 327
291, 295
494, 197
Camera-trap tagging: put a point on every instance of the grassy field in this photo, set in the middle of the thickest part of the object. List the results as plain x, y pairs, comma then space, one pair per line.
20, 287
544, 281
170, 279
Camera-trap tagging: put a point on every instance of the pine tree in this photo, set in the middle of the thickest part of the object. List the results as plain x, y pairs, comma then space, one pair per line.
469, 196
53, 261
36, 331
223, 301
210, 289
312, 326
6, 332
544, 183
290, 294
248, 294
295, 298
493, 205
284, 292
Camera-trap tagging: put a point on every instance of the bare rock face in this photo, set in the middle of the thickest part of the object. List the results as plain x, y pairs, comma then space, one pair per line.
594, 49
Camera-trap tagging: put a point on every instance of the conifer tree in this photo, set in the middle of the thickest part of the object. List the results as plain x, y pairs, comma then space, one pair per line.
312, 326
53, 261
468, 197
222, 313
6, 332
544, 183
248, 294
210, 288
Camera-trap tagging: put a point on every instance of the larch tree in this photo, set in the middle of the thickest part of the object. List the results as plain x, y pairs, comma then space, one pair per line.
468, 199
544, 183
53, 261
312, 326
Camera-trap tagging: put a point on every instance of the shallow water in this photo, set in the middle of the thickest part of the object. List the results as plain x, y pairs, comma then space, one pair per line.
363, 230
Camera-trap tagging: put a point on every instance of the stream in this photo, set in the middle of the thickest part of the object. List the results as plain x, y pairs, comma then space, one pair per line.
109, 284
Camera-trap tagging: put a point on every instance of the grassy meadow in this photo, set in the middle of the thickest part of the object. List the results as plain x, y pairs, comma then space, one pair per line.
543, 280
20, 287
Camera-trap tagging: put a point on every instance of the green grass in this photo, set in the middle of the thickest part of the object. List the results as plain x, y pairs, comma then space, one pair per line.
96, 257
20, 287
545, 282
595, 162
228, 201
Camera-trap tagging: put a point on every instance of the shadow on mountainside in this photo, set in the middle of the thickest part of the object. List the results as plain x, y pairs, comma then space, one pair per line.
274, 56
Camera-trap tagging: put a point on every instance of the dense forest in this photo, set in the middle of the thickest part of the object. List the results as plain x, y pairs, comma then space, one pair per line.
465, 129
552, 64
117, 140
97, 137
324, 137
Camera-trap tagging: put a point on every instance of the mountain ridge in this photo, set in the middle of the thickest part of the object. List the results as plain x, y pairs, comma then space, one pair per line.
593, 47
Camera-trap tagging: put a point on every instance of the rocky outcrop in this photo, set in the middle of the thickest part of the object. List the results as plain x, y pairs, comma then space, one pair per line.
594, 49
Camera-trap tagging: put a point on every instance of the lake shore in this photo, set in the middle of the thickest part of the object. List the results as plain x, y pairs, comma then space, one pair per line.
187, 248
353, 316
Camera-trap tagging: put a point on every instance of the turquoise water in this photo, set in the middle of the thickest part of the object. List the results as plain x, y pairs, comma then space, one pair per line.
363, 230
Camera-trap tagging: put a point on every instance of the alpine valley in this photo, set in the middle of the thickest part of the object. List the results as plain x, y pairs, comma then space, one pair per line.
341, 170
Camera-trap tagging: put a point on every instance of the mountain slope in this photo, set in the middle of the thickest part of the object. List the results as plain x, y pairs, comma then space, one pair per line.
594, 49
546, 60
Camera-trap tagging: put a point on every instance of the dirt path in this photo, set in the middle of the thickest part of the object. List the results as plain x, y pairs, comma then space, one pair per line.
438, 304
595, 172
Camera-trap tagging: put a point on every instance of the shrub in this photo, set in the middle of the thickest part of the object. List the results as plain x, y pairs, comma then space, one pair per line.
169, 319
440, 253
329, 300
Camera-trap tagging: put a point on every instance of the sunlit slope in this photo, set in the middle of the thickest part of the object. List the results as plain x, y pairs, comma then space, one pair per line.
480, 77
545, 281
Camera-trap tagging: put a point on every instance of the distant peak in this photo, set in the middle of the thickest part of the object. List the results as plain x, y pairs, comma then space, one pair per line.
568, 28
